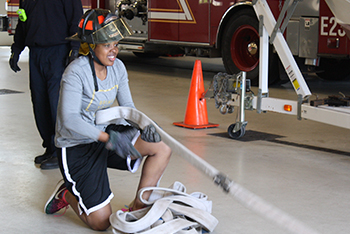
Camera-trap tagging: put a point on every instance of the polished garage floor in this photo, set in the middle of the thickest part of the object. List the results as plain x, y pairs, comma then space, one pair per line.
301, 167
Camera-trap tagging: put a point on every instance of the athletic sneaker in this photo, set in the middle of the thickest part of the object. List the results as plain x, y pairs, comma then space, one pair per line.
56, 202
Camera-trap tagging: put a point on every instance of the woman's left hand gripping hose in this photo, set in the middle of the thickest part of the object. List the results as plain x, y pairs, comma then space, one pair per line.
121, 144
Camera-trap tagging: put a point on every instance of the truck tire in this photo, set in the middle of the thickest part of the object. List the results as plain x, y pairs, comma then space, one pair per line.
240, 47
334, 69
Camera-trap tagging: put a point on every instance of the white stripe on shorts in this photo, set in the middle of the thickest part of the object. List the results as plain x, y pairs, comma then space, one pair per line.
76, 192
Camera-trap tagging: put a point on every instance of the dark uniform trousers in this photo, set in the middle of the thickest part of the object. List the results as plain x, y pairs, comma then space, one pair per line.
46, 66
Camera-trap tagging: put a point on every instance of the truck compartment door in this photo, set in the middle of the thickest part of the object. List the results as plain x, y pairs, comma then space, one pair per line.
194, 25
163, 19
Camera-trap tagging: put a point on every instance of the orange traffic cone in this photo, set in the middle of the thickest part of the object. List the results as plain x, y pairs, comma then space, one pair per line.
196, 116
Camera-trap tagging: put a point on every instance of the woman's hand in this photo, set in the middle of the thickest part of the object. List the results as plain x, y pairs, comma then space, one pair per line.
121, 144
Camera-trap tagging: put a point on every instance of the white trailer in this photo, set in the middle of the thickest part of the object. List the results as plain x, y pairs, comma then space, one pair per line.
271, 31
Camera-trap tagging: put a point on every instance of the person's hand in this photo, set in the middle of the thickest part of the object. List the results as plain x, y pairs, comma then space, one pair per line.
150, 134
14, 62
122, 145
73, 54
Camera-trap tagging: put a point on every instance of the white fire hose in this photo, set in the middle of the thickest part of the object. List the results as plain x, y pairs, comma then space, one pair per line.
244, 196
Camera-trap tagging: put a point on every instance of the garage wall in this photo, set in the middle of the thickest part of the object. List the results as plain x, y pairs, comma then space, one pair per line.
5, 39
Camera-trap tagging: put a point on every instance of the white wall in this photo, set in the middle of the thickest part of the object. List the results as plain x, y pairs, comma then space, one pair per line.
5, 39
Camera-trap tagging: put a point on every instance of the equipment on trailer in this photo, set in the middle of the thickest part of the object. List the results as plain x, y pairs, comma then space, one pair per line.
230, 91
332, 101
226, 90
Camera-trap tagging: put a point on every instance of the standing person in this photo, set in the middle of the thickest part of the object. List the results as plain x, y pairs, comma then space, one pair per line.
43, 26
85, 150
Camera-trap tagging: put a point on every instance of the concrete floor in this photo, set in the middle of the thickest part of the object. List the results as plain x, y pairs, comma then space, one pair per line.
301, 167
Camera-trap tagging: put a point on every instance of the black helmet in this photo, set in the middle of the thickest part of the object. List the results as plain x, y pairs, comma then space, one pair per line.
101, 26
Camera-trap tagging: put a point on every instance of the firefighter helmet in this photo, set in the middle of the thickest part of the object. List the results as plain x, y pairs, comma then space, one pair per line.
101, 26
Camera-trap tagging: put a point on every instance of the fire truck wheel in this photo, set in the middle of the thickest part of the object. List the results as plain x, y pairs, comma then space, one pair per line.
334, 69
240, 47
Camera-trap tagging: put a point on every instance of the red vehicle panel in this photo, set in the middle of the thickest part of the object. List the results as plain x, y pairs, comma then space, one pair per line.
331, 34
164, 20
177, 20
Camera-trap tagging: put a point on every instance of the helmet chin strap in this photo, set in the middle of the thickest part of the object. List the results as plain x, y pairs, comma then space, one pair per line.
93, 57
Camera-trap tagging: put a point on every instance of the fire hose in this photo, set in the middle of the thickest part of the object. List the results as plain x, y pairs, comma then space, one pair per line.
241, 194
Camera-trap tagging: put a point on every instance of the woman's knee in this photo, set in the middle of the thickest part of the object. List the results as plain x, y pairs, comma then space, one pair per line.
152, 149
165, 150
168, 150
100, 225
99, 220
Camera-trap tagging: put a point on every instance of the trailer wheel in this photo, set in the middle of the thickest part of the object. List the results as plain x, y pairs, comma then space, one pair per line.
238, 134
334, 69
240, 47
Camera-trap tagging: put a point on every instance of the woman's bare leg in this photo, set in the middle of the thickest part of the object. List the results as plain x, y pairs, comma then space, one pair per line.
97, 220
158, 156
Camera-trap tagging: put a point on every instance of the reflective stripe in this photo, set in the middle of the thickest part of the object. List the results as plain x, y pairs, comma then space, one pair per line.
89, 25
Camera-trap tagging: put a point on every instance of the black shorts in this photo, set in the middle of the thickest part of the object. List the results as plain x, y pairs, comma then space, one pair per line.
84, 169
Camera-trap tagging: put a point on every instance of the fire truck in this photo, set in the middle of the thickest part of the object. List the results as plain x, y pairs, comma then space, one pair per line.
230, 30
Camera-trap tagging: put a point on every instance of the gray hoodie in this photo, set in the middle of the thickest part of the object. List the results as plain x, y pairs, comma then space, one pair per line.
79, 102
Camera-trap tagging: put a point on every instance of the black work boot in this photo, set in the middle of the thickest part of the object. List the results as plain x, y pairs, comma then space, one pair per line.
51, 163
41, 158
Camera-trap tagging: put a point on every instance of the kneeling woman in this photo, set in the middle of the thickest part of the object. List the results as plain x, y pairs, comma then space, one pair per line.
85, 150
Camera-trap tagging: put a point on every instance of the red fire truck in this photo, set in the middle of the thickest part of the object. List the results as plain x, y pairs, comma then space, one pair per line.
230, 29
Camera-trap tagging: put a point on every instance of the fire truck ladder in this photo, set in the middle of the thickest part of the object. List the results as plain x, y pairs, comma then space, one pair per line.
337, 116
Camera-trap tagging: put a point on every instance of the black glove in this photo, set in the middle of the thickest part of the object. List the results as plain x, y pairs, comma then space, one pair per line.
150, 134
13, 62
73, 54
121, 144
